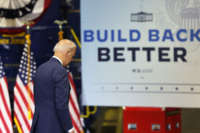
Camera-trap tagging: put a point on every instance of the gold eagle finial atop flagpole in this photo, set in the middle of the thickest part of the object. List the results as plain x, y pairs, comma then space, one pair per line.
60, 25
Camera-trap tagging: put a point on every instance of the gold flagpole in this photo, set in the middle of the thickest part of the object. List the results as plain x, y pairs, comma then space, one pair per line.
17, 125
28, 41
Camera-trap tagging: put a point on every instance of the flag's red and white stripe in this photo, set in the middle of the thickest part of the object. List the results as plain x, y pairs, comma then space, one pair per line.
74, 107
22, 102
5, 109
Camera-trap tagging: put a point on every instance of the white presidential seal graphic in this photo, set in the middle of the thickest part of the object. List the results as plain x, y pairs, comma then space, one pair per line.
185, 14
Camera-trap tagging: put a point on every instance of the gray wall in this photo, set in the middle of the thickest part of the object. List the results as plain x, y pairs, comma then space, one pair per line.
191, 121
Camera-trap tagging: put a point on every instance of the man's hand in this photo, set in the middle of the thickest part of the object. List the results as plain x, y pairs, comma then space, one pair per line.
71, 130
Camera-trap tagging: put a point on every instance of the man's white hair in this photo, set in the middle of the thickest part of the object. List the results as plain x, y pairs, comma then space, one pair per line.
64, 46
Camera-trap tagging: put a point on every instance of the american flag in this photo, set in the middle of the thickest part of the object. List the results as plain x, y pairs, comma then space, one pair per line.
74, 106
23, 92
5, 109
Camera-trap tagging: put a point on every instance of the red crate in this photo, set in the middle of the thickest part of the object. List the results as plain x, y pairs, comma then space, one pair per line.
151, 120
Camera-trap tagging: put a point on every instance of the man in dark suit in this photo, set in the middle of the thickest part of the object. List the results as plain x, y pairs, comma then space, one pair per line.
51, 92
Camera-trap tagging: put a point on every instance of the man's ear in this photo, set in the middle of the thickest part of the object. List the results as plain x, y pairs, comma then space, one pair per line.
69, 53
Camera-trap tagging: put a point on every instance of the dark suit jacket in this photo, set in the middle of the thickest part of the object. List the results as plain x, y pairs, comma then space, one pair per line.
51, 95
